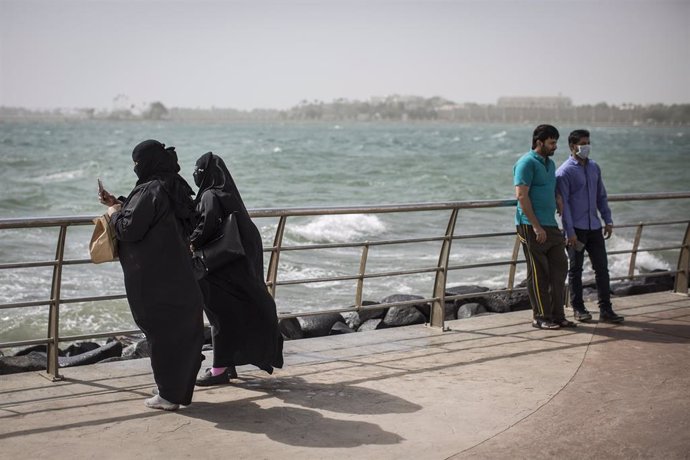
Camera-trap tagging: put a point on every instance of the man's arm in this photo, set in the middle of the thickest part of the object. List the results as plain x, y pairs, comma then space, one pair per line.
522, 195
603, 206
563, 189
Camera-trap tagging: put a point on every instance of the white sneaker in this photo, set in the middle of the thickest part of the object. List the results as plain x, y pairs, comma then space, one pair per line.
159, 403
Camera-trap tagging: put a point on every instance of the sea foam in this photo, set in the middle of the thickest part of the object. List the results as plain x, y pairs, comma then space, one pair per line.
340, 228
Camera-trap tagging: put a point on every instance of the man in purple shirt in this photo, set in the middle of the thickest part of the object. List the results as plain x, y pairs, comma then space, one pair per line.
583, 193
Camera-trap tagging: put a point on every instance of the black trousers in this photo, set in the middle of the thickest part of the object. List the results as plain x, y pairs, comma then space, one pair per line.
547, 266
596, 249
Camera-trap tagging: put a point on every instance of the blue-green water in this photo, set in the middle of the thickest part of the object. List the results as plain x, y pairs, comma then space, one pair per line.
50, 168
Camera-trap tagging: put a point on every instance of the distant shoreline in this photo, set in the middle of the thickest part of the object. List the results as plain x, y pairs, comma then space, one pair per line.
390, 109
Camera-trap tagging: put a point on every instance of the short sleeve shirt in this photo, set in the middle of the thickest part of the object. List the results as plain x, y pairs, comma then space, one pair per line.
539, 174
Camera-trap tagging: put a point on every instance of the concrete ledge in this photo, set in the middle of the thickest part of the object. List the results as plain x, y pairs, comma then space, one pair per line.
491, 387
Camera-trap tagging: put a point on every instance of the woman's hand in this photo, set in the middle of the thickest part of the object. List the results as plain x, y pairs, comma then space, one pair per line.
114, 208
107, 198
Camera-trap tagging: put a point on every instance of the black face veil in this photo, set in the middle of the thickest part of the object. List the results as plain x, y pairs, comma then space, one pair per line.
210, 172
154, 161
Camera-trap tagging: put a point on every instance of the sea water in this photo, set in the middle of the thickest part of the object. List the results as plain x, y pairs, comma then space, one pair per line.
50, 169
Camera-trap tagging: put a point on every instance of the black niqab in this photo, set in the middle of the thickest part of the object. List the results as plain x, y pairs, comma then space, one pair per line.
153, 161
211, 173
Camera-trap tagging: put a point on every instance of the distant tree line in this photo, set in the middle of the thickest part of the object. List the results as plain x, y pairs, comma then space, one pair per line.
441, 109
390, 108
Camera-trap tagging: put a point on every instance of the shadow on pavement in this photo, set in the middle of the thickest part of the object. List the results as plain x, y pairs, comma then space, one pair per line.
291, 425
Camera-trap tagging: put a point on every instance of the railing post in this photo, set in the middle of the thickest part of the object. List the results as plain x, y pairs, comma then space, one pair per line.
53, 367
272, 273
362, 270
683, 273
437, 313
633, 254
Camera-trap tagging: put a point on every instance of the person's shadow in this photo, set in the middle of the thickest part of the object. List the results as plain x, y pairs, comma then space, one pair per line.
334, 397
290, 425
303, 426
649, 330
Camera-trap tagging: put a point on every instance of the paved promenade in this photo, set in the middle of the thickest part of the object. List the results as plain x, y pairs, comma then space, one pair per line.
492, 387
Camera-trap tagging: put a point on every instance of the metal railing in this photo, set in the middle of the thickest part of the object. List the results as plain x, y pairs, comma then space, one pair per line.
440, 270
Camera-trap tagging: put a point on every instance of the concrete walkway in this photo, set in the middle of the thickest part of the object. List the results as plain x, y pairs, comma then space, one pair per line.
491, 387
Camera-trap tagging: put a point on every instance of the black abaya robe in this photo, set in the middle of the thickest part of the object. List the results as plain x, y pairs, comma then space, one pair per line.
163, 294
237, 303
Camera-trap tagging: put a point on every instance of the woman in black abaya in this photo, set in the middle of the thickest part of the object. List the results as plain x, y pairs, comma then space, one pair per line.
241, 311
152, 227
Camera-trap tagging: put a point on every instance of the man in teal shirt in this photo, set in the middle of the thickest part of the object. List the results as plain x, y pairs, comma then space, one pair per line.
534, 177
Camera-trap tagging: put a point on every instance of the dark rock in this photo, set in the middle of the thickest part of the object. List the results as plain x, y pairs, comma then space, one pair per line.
402, 316
290, 329
352, 319
468, 310
466, 289
502, 302
461, 290
450, 310
355, 318
370, 325
625, 288
80, 348
113, 359
422, 307
137, 350
35, 348
32, 361
319, 325
590, 294
367, 314
340, 328
108, 350
667, 281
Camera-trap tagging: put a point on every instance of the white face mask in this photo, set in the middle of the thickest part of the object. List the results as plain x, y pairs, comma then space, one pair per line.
583, 151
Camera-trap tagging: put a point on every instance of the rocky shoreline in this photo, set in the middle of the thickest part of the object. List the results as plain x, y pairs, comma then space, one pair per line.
375, 316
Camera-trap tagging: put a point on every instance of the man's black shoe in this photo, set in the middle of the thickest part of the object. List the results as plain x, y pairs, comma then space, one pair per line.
582, 314
608, 316
209, 379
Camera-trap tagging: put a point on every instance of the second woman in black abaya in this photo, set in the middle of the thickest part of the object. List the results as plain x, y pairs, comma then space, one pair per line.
240, 309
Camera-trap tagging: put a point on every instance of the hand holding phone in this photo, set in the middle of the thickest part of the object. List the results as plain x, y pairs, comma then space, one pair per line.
104, 196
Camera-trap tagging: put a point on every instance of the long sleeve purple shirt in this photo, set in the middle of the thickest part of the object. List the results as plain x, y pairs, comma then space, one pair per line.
583, 193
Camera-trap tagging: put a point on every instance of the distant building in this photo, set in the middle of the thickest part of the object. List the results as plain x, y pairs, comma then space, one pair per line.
545, 102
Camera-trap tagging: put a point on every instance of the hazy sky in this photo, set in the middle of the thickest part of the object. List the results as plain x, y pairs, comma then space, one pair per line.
261, 54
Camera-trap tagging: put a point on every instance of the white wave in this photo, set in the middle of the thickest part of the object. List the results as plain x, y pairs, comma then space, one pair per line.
60, 176
619, 263
499, 135
340, 228
293, 272
277, 150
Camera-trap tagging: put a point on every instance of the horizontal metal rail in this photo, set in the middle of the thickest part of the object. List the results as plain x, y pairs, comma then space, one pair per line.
440, 270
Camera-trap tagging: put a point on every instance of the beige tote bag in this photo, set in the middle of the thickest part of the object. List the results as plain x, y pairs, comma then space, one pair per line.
103, 246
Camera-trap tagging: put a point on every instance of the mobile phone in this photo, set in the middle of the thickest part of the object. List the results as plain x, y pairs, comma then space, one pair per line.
100, 186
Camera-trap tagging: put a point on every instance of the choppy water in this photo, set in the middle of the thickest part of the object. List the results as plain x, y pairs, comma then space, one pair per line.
50, 168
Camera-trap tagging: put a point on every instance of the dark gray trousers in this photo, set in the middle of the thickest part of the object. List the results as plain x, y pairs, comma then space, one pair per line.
547, 267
